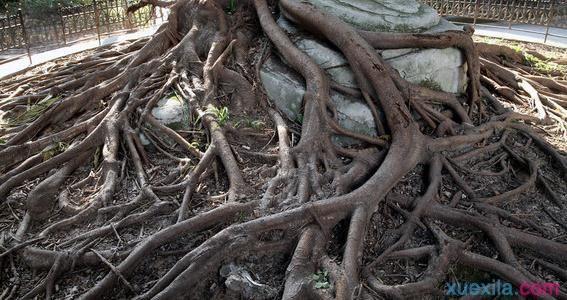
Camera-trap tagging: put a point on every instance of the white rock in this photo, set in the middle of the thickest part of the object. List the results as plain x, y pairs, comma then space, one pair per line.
172, 112
437, 68
443, 67
144, 140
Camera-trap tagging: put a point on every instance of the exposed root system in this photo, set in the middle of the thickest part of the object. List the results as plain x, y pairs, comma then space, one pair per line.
451, 183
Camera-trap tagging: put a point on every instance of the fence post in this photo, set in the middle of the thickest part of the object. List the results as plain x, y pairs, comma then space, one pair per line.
549, 19
97, 21
476, 7
24, 34
106, 11
127, 15
62, 20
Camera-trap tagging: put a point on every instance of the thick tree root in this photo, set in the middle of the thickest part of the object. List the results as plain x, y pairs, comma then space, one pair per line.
325, 206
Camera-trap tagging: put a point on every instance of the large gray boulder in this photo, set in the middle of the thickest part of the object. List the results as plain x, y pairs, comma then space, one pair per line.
382, 15
286, 89
442, 69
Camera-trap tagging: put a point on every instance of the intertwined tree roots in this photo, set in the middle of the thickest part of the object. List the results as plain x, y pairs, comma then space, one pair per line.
450, 182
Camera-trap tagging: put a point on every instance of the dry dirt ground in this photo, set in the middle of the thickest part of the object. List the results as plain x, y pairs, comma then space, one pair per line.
254, 143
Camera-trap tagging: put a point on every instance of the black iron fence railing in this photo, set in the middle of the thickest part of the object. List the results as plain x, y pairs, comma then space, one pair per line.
536, 12
61, 25
11, 31
546, 13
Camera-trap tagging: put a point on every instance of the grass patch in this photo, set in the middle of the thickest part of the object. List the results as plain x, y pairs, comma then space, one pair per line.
250, 123
543, 66
32, 112
54, 150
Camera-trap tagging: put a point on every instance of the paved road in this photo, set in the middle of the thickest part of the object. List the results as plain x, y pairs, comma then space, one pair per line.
23, 62
517, 32
525, 33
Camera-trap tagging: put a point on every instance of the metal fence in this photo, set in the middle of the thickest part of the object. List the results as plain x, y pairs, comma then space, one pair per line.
12, 31
537, 12
61, 25
547, 13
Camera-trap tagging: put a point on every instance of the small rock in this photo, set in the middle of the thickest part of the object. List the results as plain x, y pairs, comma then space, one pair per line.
172, 112
239, 280
144, 140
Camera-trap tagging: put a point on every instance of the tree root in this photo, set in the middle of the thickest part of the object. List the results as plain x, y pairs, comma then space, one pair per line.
320, 206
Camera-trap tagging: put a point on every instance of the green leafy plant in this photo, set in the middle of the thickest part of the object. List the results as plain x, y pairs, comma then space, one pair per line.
231, 6
321, 279
195, 144
221, 114
516, 48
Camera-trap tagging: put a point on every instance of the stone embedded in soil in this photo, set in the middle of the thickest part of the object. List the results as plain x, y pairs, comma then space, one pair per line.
442, 69
286, 89
172, 112
144, 140
382, 15
239, 280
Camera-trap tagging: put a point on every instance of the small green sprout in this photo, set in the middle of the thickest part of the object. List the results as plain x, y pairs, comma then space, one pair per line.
221, 114
231, 7
321, 279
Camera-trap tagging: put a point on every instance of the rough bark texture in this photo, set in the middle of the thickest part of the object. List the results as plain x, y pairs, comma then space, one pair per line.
79, 161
